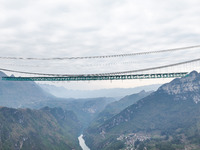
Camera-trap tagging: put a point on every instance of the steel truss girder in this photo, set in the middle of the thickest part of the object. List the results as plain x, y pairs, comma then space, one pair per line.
100, 77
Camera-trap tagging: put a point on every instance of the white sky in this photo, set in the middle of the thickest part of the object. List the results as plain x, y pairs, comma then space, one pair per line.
65, 28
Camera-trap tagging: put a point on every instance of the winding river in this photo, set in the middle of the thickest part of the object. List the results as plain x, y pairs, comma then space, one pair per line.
82, 143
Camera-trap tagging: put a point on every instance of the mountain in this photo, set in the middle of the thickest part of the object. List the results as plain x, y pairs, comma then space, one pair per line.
27, 94
115, 92
117, 106
85, 109
47, 128
15, 94
166, 119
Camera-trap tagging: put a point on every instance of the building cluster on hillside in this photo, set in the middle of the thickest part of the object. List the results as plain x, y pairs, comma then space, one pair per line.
131, 138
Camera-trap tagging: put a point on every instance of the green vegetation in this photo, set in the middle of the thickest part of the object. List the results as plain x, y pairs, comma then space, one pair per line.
166, 119
115, 107
48, 128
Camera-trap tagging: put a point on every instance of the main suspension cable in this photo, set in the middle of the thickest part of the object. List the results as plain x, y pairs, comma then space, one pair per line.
102, 74
105, 56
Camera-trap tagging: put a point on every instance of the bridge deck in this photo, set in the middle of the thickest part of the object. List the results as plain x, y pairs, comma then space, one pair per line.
100, 77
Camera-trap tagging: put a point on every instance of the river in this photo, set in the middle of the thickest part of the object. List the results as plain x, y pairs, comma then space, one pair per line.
82, 143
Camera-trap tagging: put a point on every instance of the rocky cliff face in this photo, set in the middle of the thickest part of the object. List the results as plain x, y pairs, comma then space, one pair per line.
183, 88
190, 83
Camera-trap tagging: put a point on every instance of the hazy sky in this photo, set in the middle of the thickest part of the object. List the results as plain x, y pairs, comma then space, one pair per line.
66, 28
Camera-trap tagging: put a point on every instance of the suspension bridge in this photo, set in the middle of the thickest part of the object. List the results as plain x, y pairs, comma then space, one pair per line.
140, 72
